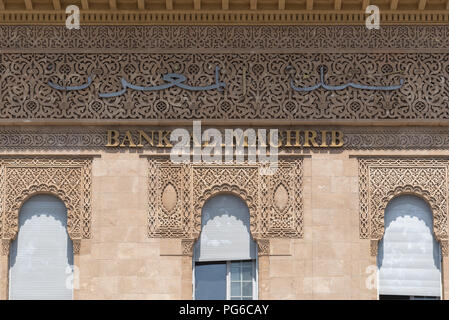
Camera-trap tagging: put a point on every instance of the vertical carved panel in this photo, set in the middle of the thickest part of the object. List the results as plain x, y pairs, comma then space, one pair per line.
382, 179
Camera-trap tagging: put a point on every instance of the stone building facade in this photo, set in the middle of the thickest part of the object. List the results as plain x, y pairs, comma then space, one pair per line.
134, 216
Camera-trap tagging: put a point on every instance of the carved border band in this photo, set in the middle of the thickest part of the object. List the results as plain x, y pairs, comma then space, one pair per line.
219, 37
177, 193
381, 179
65, 177
95, 138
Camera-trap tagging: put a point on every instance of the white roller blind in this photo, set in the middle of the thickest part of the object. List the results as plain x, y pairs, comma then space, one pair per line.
225, 234
41, 257
409, 256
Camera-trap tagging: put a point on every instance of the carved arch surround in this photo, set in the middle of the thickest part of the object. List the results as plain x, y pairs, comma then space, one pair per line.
382, 179
271, 215
223, 189
67, 178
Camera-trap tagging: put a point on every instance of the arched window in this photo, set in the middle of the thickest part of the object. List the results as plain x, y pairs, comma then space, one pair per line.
41, 257
409, 258
225, 254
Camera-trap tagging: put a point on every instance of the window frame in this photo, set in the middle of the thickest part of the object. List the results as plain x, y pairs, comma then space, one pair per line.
255, 266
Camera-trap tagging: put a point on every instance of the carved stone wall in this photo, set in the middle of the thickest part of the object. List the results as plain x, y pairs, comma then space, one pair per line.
67, 178
382, 179
177, 194
267, 95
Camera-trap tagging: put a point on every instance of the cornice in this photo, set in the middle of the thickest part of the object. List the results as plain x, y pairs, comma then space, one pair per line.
221, 17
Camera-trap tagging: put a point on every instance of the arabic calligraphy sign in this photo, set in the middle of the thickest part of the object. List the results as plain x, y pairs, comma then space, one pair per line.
177, 80
243, 86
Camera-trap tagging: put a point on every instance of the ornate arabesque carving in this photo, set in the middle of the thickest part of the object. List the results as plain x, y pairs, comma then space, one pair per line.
194, 184
297, 37
67, 178
381, 179
26, 94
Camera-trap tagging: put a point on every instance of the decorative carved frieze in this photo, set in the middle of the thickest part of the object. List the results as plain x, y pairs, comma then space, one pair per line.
319, 38
268, 95
383, 178
194, 184
95, 138
65, 177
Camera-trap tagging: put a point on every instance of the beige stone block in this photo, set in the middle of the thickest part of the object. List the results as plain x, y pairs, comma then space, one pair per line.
307, 167
340, 233
344, 184
281, 286
308, 265
323, 200
121, 200
133, 217
332, 250
130, 184
153, 296
350, 167
307, 296
99, 167
133, 267
328, 267
302, 250
170, 267
341, 285
327, 217
130, 284
170, 247
160, 285
104, 250
108, 268
321, 285
281, 267
136, 234
332, 296
138, 250
303, 285
281, 247
86, 246
103, 218
321, 184
106, 286
327, 167
307, 185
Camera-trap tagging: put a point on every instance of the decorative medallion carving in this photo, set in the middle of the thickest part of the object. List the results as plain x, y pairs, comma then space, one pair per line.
67, 178
195, 184
281, 197
381, 179
169, 197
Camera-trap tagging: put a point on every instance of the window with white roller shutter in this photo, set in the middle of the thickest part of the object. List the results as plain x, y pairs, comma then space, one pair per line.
225, 256
409, 257
41, 257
